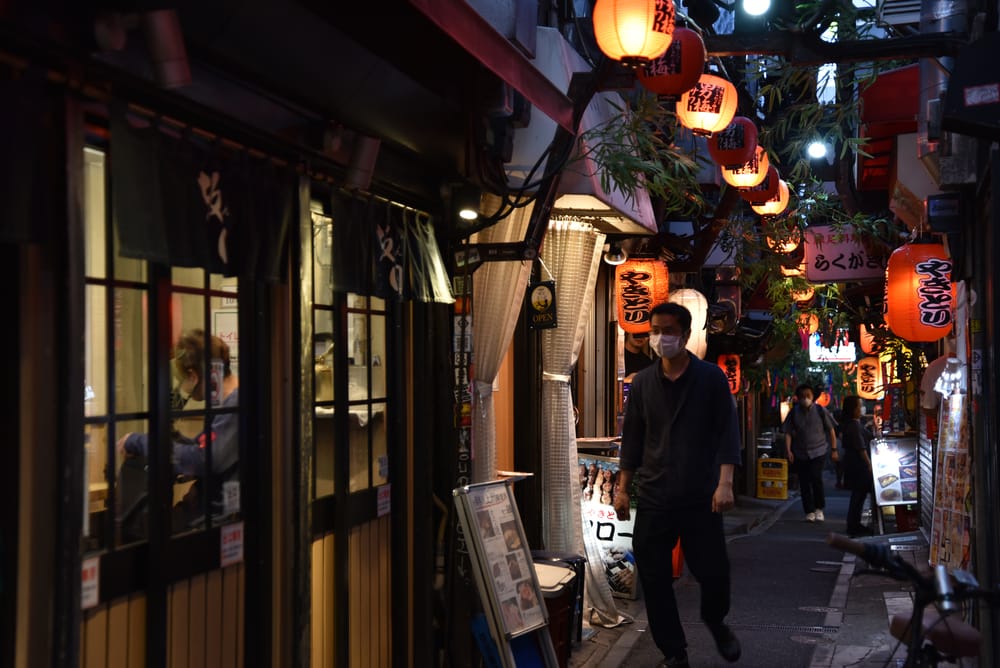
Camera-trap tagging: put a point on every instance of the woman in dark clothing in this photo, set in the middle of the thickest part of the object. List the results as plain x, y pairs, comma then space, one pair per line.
857, 462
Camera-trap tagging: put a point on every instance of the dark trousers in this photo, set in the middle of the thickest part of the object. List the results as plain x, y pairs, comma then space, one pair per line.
704, 544
859, 490
810, 472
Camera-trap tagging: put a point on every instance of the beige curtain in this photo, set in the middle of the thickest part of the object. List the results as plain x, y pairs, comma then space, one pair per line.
572, 253
498, 291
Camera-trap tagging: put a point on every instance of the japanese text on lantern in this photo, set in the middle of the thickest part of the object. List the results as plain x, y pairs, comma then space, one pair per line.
866, 377
635, 295
705, 97
731, 367
934, 292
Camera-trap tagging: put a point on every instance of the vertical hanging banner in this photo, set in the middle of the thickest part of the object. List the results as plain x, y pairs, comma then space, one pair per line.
541, 305
639, 286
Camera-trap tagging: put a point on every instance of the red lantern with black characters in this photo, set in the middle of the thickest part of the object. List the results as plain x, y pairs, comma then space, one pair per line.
919, 294
633, 31
730, 365
677, 70
763, 191
709, 106
640, 284
735, 145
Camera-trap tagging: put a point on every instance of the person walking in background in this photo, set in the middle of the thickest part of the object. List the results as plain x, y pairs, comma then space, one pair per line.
809, 430
637, 353
680, 445
855, 439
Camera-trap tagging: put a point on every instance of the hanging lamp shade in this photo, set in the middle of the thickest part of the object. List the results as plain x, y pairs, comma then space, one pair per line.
869, 380
735, 144
776, 204
763, 191
679, 68
730, 365
823, 399
633, 31
695, 302
709, 106
750, 173
640, 284
919, 294
808, 322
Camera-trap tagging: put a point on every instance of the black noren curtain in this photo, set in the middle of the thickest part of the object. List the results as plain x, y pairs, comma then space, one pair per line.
181, 200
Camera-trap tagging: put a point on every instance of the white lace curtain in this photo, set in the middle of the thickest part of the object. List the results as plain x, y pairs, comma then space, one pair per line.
498, 292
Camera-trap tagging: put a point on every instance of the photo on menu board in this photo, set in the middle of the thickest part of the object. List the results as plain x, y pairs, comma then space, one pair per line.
896, 471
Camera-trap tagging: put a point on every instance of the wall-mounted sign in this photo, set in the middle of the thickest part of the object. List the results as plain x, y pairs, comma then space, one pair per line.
542, 305
837, 254
640, 284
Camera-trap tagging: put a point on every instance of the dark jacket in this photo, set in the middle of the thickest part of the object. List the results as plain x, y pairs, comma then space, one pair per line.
677, 433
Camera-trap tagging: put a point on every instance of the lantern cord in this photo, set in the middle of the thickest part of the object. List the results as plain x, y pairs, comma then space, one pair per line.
551, 277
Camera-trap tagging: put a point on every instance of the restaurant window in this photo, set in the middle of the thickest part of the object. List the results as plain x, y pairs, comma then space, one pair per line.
349, 337
202, 360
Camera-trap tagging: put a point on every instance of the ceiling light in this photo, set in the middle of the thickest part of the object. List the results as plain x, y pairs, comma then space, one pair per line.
756, 7
465, 200
615, 255
816, 150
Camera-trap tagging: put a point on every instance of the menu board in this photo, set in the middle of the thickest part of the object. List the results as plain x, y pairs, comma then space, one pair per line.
506, 572
952, 522
896, 471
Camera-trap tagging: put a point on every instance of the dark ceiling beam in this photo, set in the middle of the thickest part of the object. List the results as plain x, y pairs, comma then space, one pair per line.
470, 30
807, 48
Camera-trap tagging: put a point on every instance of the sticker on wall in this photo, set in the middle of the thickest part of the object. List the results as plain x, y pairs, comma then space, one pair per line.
542, 305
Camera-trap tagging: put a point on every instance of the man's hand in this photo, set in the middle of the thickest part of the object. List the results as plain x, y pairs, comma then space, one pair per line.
790, 456
723, 500
621, 503
835, 455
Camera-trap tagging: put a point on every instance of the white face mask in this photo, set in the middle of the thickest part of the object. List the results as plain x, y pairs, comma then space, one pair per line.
666, 345
806, 403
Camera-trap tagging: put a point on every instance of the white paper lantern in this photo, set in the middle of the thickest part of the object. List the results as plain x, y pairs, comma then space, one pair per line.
697, 304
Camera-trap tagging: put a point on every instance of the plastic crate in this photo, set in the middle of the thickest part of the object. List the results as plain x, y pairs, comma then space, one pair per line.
772, 489
772, 469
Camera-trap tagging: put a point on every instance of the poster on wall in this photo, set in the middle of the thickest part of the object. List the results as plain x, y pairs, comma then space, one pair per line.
598, 480
896, 471
951, 521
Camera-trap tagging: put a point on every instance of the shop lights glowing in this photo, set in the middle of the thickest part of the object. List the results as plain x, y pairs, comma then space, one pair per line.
776, 204
750, 173
633, 31
709, 106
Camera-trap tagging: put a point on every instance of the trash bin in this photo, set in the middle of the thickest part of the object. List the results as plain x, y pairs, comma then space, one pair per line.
557, 582
579, 566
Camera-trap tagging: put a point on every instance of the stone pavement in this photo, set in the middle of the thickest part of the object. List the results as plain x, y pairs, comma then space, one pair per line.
857, 632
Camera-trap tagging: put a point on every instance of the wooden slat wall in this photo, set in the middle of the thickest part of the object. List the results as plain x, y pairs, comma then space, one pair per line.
113, 635
205, 620
322, 622
370, 597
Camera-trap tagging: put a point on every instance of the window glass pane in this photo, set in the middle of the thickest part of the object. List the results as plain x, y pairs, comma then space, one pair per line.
322, 259
377, 358
131, 352
188, 276
360, 424
357, 356
95, 362
325, 439
94, 213
131, 481
95, 490
380, 453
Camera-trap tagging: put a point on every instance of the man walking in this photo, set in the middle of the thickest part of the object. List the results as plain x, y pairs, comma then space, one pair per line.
680, 444
809, 430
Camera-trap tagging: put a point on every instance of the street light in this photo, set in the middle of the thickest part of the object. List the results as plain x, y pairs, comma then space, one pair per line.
756, 7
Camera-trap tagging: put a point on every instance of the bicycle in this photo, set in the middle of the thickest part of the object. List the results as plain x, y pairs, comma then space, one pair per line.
932, 633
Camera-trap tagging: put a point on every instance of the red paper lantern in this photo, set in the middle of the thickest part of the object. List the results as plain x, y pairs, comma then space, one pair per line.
640, 284
750, 173
730, 365
763, 191
679, 68
807, 322
866, 339
709, 106
919, 294
823, 399
735, 145
802, 294
633, 31
776, 204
